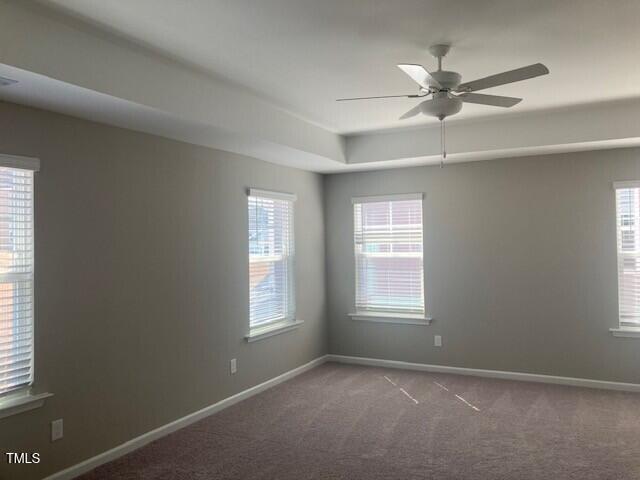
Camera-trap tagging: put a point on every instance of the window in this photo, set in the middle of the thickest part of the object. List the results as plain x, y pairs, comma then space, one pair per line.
271, 258
16, 278
628, 242
388, 254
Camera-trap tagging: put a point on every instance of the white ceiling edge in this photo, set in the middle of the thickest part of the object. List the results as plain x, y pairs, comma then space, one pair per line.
41, 92
37, 41
68, 70
435, 160
563, 127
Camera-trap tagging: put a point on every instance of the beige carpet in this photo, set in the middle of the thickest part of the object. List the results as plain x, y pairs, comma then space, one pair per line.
352, 422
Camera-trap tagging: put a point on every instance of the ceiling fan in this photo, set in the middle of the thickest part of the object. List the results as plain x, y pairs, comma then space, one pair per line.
443, 86
448, 93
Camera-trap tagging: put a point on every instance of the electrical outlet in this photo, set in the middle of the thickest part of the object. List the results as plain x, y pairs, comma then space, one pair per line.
56, 430
233, 366
437, 340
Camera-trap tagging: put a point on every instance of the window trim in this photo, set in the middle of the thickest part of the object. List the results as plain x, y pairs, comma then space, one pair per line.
271, 329
256, 192
390, 315
277, 325
624, 329
626, 332
626, 184
21, 400
394, 197
17, 161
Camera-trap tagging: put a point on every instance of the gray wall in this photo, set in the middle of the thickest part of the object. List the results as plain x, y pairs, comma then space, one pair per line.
141, 285
142, 282
520, 266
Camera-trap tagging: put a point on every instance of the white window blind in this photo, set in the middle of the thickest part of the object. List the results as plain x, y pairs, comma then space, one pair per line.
271, 258
16, 278
628, 239
388, 254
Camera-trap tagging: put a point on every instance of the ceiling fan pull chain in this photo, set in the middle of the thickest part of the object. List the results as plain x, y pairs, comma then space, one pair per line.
443, 142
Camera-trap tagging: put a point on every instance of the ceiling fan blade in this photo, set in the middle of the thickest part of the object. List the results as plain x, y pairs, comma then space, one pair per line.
414, 111
383, 96
494, 100
503, 78
419, 75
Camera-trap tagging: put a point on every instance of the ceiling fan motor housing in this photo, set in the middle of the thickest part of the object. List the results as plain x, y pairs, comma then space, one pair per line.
447, 80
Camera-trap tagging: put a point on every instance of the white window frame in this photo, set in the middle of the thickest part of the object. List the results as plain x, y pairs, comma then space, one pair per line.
624, 328
23, 398
388, 316
289, 321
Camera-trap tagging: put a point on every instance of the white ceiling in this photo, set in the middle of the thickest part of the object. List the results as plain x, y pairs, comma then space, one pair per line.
303, 54
86, 61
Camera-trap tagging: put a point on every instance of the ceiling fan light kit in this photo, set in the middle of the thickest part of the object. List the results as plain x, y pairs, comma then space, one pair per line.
448, 93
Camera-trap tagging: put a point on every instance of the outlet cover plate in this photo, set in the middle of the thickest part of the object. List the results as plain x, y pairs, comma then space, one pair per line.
57, 430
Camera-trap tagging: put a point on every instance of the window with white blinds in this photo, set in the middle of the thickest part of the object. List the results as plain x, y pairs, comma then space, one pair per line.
628, 240
271, 258
388, 254
16, 278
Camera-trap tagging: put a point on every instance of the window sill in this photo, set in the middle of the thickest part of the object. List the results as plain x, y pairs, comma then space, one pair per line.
23, 402
271, 330
395, 318
629, 332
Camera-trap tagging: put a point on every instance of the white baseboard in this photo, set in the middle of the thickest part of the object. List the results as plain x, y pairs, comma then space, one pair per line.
148, 437
525, 377
134, 444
